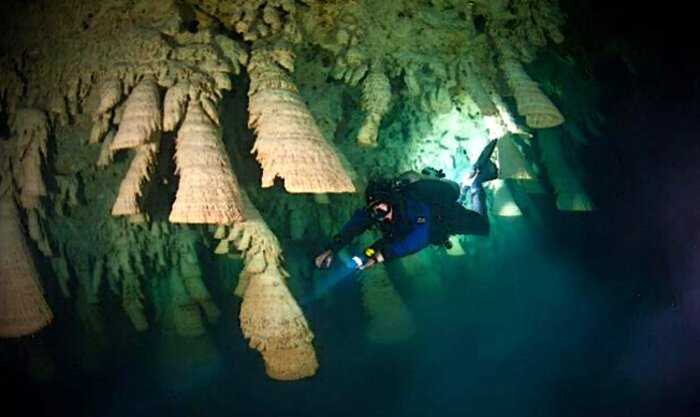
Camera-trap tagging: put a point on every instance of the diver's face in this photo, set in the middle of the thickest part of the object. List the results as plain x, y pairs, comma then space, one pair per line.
383, 212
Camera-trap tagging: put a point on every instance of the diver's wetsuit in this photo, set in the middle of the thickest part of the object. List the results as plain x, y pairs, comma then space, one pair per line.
425, 212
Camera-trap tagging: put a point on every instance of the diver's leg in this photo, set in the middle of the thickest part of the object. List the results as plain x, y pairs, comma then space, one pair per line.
475, 221
483, 170
478, 199
462, 221
477, 195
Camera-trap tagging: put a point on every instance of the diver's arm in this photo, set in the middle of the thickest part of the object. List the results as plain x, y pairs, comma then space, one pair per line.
392, 248
358, 224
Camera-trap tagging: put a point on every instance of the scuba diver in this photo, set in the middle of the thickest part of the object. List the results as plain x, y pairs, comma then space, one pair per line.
414, 211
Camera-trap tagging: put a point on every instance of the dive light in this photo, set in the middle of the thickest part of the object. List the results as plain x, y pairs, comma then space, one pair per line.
358, 262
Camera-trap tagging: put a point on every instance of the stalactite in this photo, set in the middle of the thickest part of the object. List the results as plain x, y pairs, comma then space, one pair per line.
532, 103
23, 309
289, 144
130, 190
142, 119
31, 129
270, 317
111, 92
110, 95
256, 19
203, 164
175, 105
376, 97
106, 154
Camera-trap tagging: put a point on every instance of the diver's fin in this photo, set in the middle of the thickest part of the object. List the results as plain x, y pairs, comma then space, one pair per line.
485, 155
483, 168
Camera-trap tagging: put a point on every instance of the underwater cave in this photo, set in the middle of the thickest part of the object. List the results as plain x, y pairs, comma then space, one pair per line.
296, 208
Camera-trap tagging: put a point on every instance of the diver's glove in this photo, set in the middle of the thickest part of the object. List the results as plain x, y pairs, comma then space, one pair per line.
324, 260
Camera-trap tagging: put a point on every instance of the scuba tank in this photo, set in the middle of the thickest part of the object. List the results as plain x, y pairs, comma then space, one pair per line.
429, 186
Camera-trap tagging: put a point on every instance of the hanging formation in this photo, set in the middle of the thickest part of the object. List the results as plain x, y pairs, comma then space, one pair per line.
23, 309
376, 98
208, 191
270, 317
538, 109
289, 144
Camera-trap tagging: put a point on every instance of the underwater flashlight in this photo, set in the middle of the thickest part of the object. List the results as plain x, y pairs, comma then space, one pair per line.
357, 261
339, 273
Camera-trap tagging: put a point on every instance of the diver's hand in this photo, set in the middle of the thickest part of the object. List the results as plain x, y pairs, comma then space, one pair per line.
369, 264
365, 262
324, 260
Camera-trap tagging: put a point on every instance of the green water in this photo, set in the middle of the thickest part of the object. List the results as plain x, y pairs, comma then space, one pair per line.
540, 323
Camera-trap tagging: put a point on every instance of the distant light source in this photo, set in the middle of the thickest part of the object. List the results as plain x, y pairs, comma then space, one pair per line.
503, 203
457, 130
496, 126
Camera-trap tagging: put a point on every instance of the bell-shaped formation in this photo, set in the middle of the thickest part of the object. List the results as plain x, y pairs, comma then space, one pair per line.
23, 309
538, 109
31, 128
275, 325
131, 186
571, 195
32, 184
142, 118
110, 95
289, 144
376, 98
390, 321
175, 105
270, 317
139, 128
208, 191
106, 156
